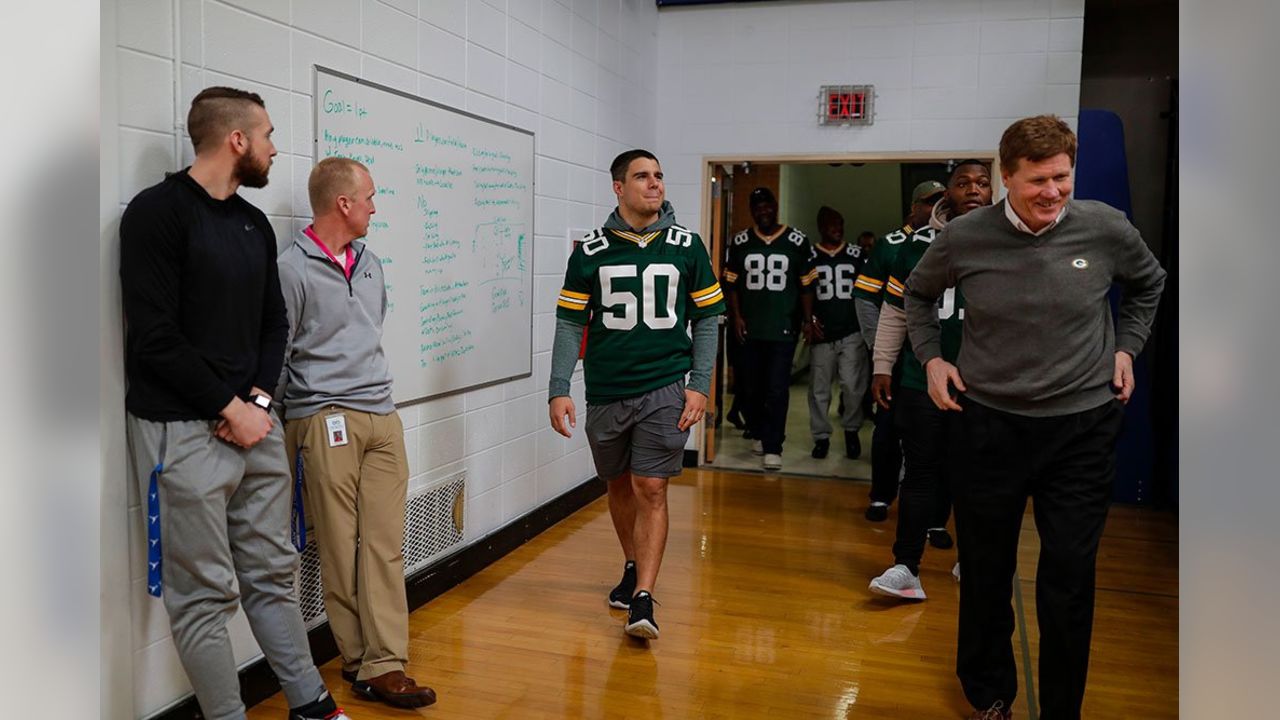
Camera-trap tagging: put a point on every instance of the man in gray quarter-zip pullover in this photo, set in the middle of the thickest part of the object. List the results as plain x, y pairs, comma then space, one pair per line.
1042, 375
345, 440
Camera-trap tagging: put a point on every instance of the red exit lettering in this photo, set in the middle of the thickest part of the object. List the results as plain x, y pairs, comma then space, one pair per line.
846, 105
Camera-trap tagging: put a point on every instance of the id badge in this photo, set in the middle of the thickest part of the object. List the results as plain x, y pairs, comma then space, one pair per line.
336, 430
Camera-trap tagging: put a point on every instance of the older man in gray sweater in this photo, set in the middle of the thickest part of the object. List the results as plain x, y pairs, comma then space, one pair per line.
1041, 381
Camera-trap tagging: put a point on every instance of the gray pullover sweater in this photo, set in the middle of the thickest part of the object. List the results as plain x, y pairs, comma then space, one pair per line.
1039, 339
334, 355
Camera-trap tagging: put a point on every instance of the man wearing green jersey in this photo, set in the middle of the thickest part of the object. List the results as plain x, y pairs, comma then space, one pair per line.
764, 277
925, 499
866, 239
831, 328
637, 283
868, 293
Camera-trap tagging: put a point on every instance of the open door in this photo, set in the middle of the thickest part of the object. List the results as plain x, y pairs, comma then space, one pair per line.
721, 195
730, 187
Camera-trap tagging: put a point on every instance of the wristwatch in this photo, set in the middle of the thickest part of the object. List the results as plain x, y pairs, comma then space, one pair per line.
261, 401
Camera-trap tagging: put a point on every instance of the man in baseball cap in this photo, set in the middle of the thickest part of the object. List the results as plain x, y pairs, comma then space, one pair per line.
868, 293
927, 192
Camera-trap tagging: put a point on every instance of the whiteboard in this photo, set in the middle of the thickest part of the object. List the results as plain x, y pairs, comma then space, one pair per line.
453, 228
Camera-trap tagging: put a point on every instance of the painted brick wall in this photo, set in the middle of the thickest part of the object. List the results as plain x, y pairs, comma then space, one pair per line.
578, 73
591, 78
949, 74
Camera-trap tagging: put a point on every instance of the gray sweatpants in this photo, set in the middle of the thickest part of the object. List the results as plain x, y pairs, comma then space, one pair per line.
848, 356
224, 516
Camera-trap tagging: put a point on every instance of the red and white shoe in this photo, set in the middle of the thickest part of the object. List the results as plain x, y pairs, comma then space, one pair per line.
898, 582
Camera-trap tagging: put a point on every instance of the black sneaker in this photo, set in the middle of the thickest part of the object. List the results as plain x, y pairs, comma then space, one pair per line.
735, 417
620, 596
820, 448
877, 512
640, 622
852, 445
322, 709
940, 538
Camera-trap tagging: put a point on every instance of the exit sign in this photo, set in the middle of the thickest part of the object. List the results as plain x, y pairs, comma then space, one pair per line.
846, 104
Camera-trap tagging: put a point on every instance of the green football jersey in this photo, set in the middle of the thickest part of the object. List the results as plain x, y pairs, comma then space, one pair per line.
832, 274
870, 282
950, 309
636, 294
768, 277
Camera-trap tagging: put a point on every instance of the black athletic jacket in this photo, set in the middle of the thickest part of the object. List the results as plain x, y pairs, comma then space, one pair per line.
204, 314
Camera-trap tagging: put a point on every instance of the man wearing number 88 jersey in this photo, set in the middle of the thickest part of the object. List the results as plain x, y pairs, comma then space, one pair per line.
764, 277
637, 284
830, 326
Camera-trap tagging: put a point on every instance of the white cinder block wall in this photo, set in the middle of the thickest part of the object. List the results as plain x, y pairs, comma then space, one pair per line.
950, 75
591, 78
558, 68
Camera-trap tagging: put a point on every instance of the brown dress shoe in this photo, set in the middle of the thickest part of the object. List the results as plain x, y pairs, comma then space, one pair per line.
395, 689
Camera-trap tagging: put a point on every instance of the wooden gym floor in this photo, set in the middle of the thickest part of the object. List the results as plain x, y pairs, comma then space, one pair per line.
764, 614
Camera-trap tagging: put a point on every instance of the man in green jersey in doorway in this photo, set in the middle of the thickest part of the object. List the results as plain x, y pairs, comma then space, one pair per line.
925, 500
868, 293
764, 278
831, 328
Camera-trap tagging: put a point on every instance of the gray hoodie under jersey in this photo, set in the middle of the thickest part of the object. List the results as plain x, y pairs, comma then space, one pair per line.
334, 355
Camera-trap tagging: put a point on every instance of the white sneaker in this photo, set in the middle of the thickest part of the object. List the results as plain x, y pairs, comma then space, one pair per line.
757, 447
772, 462
955, 572
898, 582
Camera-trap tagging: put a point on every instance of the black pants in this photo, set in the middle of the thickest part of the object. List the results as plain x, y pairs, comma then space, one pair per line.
1066, 465
925, 496
886, 452
768, 375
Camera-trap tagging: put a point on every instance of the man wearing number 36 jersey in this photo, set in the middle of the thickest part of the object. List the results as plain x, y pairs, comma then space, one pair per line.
637, 284
830, 326
764, 277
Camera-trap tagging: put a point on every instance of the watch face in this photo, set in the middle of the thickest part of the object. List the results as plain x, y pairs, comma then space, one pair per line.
261, 401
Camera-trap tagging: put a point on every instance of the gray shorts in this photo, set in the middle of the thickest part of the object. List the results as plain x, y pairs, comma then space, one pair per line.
639, 434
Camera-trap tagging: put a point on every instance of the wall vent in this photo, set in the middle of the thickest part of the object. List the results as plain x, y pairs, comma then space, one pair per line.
433, 526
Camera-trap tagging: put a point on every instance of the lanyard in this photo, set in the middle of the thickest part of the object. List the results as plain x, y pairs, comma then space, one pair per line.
154, 558
298, 521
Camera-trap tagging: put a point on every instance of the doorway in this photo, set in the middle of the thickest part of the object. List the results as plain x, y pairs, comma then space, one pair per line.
872, 193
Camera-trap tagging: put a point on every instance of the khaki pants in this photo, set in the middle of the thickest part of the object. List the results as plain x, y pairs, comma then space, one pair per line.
355, 496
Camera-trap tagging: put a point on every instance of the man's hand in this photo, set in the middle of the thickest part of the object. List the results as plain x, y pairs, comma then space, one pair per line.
880, 390
740, 328
942, 375
558, 408
695, 404
1122, 382
243, 424
816, 332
